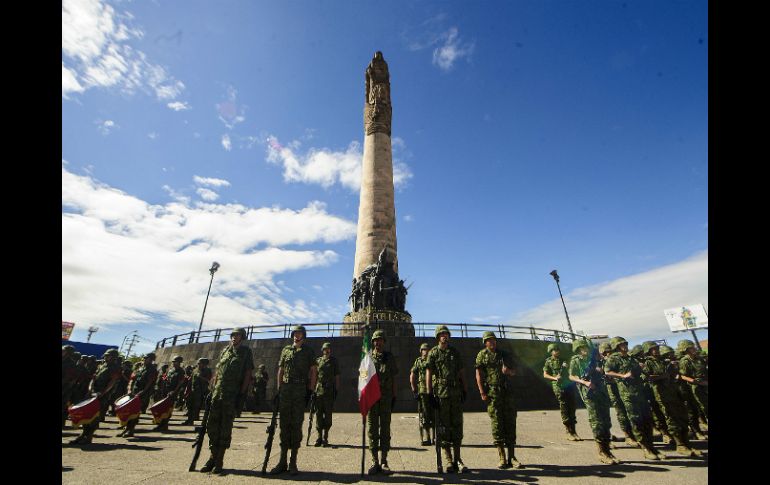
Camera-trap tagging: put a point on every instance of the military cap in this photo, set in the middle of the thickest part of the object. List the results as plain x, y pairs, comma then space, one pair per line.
239, 330
649, 345
67, 348
150, 355
637, 350
441, 329
616, 341
203, 360
113, 352
604, 347
378, 334
576, 344
326, 345
424, 347
552, 347
665, 349
177, 358
299, 328
683, 345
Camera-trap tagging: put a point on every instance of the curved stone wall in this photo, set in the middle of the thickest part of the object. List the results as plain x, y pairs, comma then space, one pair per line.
532, 390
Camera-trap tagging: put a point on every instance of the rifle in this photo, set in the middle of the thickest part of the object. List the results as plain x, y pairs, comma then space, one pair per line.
438, 428
201, 433
310, 421
589, 372
271, 432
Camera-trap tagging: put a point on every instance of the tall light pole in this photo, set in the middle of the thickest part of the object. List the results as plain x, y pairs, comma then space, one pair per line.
556, 277
91, 331
212, 270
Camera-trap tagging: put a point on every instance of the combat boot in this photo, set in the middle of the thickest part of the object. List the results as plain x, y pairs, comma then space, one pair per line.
608, 452
429, 441
631, 441
649, 452
512, 461
504, 465
209, 465
122, 433
319, 441
568, 433
459, 461
384, 467
218, 463
282, 466
604, 457
573, 433
375, 468
188, 422
668, 439
683, 446
293, 462
326, 438
451, 467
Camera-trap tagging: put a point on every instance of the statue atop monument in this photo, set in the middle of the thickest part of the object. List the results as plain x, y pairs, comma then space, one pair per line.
377, 111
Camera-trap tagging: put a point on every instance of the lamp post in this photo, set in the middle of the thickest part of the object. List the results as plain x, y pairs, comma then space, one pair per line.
556, 277
212, 270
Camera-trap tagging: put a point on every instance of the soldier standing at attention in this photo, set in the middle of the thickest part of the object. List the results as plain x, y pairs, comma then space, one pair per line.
105, 378
446, 385
199, 388
378, 419
493, 367
420, 392
628, 373
142, 383
327, 384
233, 377
297, 374
555, 370
175, 378
260, 387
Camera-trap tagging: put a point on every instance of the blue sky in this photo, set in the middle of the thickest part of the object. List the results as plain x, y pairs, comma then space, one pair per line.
527, 136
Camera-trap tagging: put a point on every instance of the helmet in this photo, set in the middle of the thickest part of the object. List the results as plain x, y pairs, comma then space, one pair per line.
299, 328
616, 341
76, 355
112, 352
605, 347
378, 334
150, 355
636, 351
665, 349
326, 345
177, 358
552, 347
424, 347
441, 329
649, 345
203, 360
239, 330
576, 344
487, 335
67, 348
683, 345
261, 366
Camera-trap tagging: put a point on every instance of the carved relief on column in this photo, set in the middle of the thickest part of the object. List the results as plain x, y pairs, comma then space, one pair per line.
377, 110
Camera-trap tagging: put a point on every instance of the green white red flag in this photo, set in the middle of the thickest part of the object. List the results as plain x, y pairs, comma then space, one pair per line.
368, 380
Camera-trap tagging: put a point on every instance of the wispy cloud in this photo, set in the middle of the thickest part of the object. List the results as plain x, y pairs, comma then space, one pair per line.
226, 143
448, 47
452, 49
632, 306
179, 106
125, 260
96, 53
229, 111
105, 127
207, 194
210, 181
327, 167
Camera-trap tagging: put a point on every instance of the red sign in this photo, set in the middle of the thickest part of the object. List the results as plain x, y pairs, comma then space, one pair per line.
66, 329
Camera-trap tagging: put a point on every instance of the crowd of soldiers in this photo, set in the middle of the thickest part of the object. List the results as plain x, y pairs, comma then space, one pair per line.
650, 386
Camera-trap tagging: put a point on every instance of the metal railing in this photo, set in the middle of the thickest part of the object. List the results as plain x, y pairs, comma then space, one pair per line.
334, 329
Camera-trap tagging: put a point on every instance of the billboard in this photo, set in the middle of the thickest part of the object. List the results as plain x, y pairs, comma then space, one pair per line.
688, 317
66, 329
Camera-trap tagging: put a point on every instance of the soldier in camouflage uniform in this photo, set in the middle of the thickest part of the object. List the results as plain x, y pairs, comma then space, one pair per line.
628, 374
684, 392
297, 374
656, 372
378, 419
327, 384
199, 388
160, 385
612, 390
693, 370
233, 377
175, 379
80, 391
493, 368
445, 380
420, 392
69, 377
105, 378
260, 387
555, 370
658, 416
583, 370
121, 387
142, 383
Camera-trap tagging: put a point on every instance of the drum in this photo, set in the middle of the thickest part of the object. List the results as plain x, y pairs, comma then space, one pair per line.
84, 412
128, 408
162, 409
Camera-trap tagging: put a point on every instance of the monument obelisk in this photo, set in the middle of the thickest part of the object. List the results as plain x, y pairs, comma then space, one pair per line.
378, 295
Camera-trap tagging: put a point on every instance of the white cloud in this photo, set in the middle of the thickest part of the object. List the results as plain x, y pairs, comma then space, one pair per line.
152, 136
125, 260
229, 111
408, 218
452, 49
488, 319
326, 167
632, 306
207, 194
211, 182
97, 54
226, 143
178, 106
105, 127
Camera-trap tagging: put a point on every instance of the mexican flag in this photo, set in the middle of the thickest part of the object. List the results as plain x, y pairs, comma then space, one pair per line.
368, 380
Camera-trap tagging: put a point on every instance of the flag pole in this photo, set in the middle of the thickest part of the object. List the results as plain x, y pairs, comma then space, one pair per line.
363, 443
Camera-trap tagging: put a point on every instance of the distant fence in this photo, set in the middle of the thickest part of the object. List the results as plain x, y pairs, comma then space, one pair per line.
328, 330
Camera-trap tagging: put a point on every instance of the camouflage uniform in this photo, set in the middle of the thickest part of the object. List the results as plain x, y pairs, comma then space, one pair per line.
69, 376
684, 392
446, 368
107, 373
501, 402
378, 419
199, 388
173, 383
597, 400
423, 399
658, 416
564, 390
617, 403
695, 368
141, 378
633, 397
260, 387
80, 391
326, 393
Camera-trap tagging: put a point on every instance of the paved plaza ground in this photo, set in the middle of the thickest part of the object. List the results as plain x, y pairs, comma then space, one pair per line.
155, 458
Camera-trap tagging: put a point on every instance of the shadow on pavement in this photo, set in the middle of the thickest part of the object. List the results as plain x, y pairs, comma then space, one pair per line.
111, 447
492, 447
149, 439
392, 448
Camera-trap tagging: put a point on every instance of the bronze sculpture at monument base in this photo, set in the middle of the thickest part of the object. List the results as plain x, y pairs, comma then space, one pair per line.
393, 322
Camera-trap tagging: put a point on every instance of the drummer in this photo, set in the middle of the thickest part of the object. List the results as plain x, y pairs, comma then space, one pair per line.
174, 381
142, 384
105, 378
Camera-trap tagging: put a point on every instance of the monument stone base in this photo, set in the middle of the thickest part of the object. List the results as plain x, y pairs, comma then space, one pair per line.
395, 323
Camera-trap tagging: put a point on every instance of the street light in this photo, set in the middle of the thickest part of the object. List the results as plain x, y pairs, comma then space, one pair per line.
556, 277
212, 270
